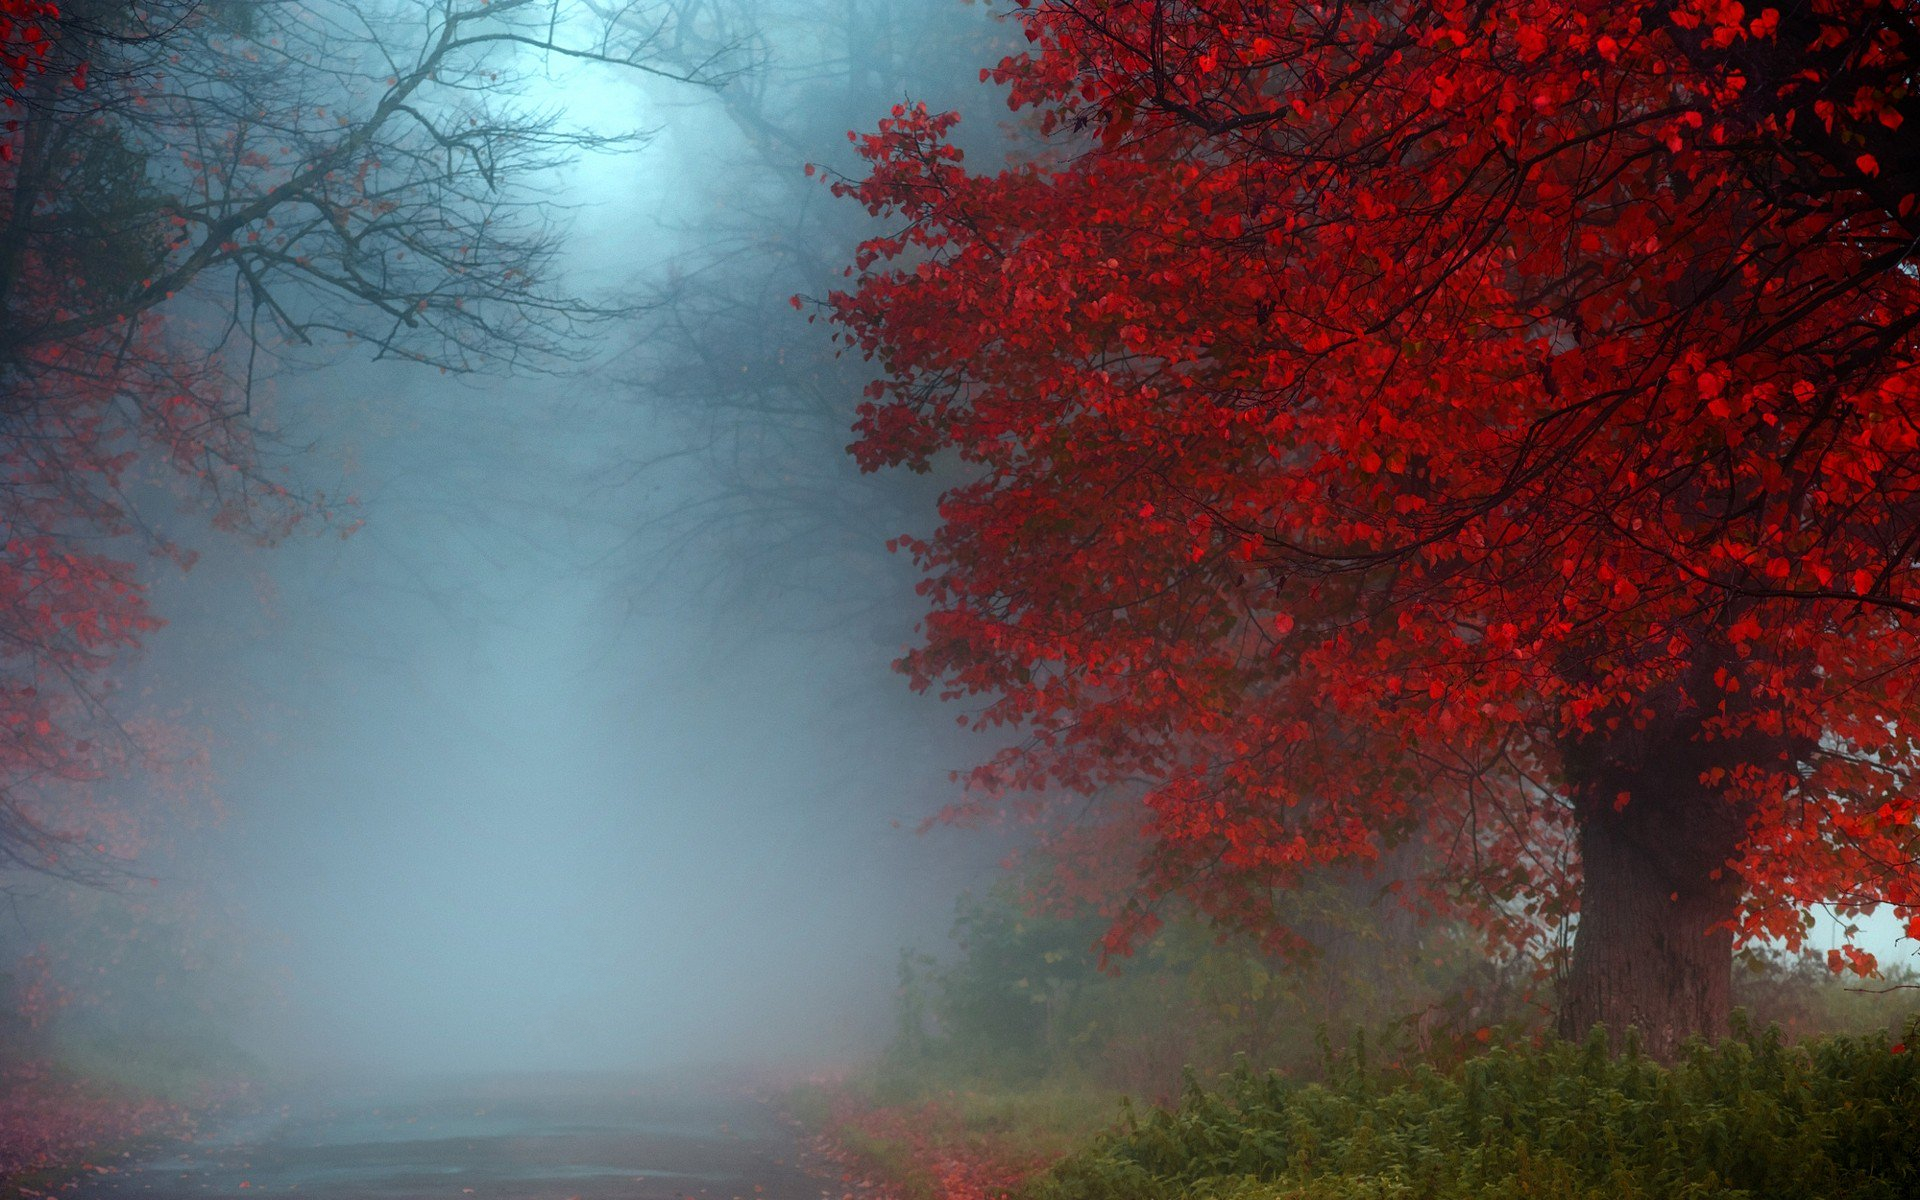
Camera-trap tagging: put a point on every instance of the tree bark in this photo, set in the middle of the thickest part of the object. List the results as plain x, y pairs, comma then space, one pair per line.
1652, 951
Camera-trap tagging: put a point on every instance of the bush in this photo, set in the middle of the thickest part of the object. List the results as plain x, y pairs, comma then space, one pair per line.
1835, 1119
1024, 1002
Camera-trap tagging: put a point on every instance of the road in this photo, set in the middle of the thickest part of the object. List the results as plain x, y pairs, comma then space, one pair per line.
529, 1138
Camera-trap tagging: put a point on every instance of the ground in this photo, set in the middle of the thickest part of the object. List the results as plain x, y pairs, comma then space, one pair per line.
530, 1138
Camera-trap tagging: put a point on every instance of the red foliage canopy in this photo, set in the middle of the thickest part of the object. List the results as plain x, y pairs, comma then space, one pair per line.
23, 38
1429, 418
87, 420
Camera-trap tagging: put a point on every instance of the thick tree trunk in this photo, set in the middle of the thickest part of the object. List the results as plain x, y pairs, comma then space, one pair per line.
1652, 952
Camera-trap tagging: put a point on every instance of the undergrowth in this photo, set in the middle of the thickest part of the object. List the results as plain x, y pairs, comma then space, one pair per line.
1754, 1117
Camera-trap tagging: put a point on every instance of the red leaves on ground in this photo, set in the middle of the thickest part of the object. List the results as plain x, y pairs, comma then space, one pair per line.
48, 1122
917, 1151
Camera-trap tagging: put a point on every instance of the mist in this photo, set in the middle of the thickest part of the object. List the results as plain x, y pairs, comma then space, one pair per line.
557, 743
453, 731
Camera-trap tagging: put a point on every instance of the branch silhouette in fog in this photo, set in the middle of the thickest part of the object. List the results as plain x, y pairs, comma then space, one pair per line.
757, 408
342, 169
194, 191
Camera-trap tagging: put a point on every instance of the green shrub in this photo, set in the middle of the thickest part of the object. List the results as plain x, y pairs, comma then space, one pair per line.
1836, 1119
1024, 1003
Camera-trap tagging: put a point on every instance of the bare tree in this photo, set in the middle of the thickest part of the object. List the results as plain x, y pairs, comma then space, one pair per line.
754, 406
339, 168
193, 189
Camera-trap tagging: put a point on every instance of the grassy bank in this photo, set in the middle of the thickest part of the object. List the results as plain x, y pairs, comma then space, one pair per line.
1831, 1119
1012, 1056
1834, 1118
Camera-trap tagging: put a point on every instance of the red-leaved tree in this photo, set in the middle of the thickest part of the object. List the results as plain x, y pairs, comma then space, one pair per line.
23, 44
1492, 424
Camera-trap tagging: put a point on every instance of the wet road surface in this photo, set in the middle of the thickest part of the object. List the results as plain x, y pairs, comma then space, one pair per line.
545, 1138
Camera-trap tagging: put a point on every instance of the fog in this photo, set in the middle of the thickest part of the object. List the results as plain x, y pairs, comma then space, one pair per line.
562, 734
565, 742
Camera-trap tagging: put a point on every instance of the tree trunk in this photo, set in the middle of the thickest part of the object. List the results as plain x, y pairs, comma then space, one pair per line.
1652, 951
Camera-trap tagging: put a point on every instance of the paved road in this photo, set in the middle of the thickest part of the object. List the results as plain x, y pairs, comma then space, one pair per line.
539, 1138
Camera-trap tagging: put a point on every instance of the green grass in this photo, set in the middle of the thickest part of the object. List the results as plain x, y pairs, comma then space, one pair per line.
1043, 1122
1836, 1119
